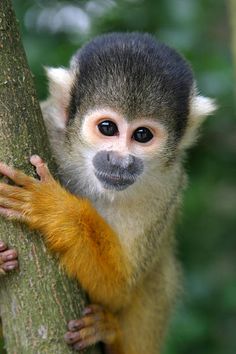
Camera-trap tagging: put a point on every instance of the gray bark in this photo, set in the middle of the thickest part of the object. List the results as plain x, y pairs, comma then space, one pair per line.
37, 301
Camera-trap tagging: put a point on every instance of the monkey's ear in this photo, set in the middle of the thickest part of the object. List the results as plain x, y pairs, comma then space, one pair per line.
200, 108
60, 83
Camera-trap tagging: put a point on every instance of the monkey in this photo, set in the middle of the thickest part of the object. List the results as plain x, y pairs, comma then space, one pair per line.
120, 120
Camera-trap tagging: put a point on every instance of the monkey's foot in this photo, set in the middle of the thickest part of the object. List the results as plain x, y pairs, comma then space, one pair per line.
96, 325
8, 259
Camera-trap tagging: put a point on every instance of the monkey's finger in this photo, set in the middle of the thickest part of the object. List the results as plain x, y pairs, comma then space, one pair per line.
12, 214
41, 168
84, 343
17, 176
8, 255
11, 265
83, 322
12, 204
96, 325
85, 333
14, 192
92, 308
72, 337
3, 246
91, 314
75, 325
8, 259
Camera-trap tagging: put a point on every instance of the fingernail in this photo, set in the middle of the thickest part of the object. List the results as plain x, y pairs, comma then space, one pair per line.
68, 337
80, 346
10, 267
78, 325
32, 158
1, 244
9, 257
74, 327
35, 157
87, 311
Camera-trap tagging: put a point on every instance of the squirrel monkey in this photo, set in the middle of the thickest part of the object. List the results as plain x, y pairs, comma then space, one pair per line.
119, 121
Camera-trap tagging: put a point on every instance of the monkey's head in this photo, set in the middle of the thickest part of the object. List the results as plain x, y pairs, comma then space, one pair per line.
122, 114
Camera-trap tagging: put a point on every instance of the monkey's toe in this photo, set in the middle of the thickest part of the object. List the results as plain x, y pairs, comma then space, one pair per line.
96, 325
8, 259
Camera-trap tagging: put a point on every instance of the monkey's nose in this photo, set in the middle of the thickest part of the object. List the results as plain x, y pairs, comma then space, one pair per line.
115, 159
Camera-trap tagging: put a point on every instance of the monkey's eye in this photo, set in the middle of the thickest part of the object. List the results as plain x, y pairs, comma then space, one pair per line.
107, 127
142, 135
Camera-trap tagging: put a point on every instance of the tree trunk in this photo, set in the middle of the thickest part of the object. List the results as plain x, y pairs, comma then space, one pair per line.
37, 301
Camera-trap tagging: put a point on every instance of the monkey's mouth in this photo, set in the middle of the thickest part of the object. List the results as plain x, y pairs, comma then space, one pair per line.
114, 181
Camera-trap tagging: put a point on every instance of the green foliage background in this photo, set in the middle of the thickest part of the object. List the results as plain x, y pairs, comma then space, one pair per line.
205, 321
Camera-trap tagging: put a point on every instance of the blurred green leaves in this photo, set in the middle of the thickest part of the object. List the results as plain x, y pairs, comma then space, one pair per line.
53, 30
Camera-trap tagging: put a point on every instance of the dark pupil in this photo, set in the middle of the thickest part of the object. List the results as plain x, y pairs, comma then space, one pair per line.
108, 128
142, 135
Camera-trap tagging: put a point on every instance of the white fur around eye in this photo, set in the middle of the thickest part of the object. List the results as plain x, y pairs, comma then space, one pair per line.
90, 131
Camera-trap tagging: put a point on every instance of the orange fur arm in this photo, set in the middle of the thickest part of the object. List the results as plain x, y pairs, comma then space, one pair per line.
87, 246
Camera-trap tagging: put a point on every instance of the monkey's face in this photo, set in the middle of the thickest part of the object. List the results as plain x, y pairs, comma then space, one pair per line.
116, 151
122, 114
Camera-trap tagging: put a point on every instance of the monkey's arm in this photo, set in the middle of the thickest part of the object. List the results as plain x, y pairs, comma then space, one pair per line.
87, 246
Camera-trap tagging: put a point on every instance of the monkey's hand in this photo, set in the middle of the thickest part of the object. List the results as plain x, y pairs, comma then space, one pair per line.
18, 202
12, 206
8, 259
87, 246
96, 325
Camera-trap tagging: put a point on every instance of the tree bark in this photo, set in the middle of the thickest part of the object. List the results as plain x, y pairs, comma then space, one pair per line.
37, 301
